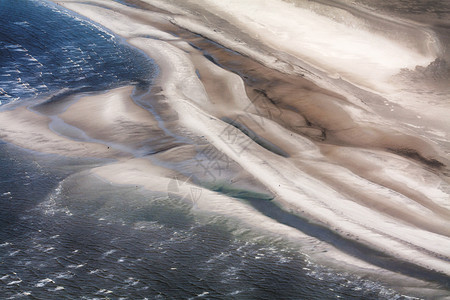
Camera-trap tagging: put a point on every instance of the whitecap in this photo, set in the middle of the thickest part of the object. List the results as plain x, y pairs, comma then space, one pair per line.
104, 291
132, 281
107, 253
49, 249
13, 253
76, 266
235, 293
14, 282
65, 275
203, 294
24, 23
44, 282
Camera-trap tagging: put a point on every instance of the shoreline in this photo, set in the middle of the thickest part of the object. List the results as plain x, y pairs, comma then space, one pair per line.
315, 180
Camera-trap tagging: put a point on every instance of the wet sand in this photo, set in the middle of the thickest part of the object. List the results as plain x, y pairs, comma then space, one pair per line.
350, 174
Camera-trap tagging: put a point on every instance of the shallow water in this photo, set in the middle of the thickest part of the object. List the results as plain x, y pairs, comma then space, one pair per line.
74, 236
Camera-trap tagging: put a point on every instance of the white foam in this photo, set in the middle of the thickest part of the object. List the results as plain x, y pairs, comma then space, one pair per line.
76, 266
65, 275
107, 253
14, 253
44, 282
15, 282
104, 291
203, 294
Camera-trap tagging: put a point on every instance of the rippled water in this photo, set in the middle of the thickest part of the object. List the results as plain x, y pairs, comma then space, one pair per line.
60, 240
44, 49
64, 234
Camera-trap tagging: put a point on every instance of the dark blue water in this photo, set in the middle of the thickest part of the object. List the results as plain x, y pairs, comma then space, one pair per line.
45, 50
64, 234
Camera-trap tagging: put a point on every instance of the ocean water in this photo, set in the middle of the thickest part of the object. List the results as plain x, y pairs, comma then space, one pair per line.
64, 234
45, 50
58, 240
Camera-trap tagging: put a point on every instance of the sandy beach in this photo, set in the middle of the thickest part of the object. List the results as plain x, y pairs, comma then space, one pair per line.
241, 106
